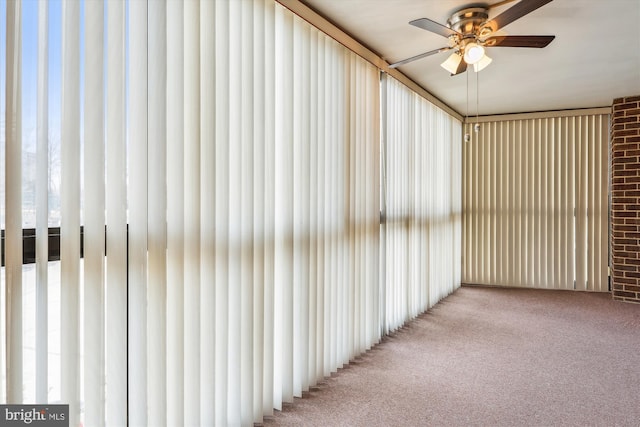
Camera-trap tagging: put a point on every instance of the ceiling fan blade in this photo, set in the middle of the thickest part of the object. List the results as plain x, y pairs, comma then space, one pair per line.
514, 12
434, 27
462, 67
519, 41
422, 55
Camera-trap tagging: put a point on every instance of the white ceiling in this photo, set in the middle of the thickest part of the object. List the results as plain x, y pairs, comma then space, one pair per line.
594, 58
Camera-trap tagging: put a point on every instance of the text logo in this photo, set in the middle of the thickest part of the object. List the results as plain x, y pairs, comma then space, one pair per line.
34, 415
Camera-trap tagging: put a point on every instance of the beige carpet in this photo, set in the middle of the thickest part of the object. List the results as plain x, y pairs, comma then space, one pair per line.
491, 357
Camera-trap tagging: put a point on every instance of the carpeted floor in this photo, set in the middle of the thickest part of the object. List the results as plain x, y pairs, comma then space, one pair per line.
491, 357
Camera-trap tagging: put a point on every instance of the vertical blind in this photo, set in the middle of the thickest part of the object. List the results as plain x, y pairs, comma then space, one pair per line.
535, 203
224, 160
422, 203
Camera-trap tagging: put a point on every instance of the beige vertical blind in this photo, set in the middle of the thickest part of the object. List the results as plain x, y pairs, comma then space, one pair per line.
535, 203
224, 161
422, 203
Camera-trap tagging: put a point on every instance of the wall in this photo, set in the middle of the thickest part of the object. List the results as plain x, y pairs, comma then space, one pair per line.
625, 199
535, 201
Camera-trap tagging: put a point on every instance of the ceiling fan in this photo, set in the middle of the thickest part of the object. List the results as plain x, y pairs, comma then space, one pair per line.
470, 30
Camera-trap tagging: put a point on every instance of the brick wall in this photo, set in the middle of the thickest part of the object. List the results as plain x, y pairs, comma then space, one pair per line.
625, 199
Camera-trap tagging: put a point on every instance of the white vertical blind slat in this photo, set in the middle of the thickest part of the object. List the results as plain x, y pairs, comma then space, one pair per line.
222, 213
157, 208
94, 218
42, 208
314, 161
70, 210
258, 212
138, 213
245, 185
268, 402
301, 220
175, 212
116, 347
234, 102
283, 340
192, 224
13, 203
207, 213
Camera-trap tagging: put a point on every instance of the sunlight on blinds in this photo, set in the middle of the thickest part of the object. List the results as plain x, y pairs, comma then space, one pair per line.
422, 204
216, 171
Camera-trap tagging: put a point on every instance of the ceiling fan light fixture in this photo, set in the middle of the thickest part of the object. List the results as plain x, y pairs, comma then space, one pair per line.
452, 63
482, 64
473, 53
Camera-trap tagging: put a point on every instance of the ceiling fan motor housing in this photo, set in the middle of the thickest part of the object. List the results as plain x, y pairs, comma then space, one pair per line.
467, 21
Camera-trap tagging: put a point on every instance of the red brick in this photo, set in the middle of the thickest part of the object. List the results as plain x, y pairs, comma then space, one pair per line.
624, 171
626, 214
632, 288
624, 200
624, 254
630, 193
635, 112
619, 133
632, 274
631, 139
624, 120
625, 106
618, 286
627, 281
626, 146
625, 159
635, 125
631, 99
624, 294
624, 241
631, 261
